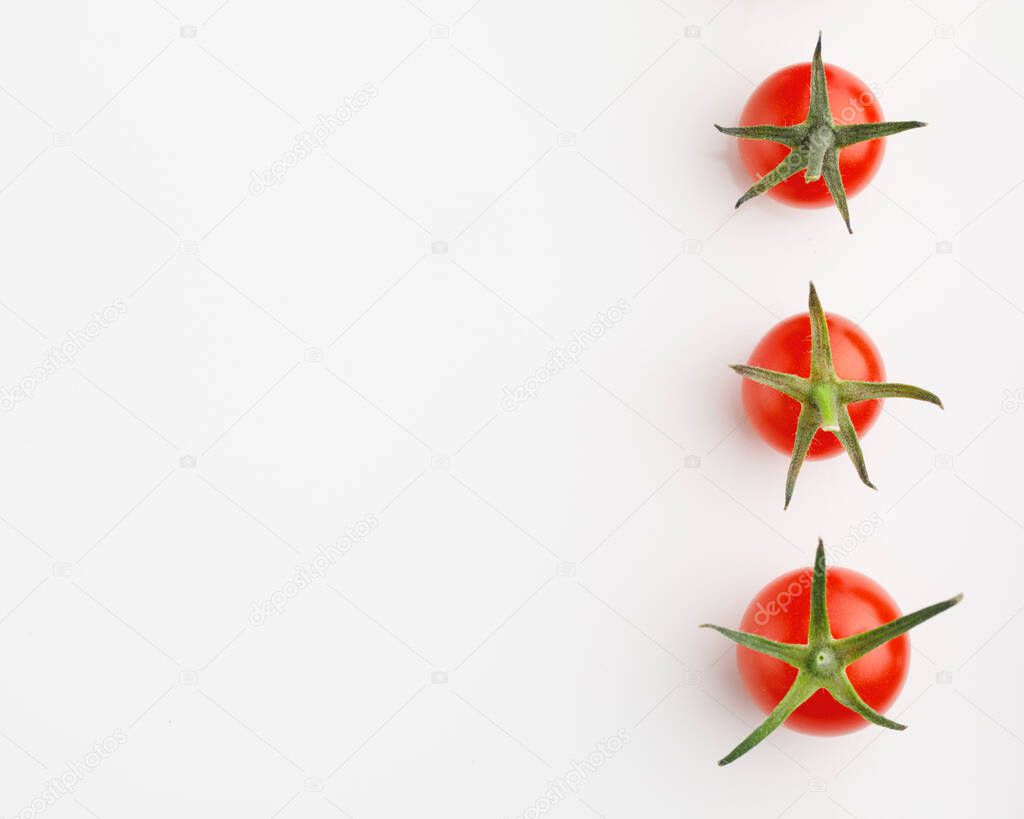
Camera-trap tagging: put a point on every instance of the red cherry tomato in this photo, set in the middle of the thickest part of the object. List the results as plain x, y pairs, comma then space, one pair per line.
787, 348
783, 99
856, 603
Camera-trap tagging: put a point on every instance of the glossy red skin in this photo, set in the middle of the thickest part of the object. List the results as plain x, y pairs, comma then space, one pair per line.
787, 348
856, 603
783, 99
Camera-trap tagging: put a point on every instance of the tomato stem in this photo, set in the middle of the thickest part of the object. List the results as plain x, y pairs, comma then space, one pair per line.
815, 143
826, 400
824, 397
821, 140
822, 661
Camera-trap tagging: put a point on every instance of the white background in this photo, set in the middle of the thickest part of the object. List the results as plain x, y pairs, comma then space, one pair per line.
125, 158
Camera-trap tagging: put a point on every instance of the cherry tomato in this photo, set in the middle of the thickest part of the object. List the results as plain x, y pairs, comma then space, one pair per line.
787, 348
783, 99
856, 603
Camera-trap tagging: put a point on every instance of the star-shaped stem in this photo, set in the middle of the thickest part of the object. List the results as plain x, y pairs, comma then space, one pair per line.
815, 143
824, 397
823, 660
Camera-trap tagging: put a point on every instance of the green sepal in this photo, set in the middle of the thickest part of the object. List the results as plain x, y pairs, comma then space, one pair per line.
794, 162
818, 629
834, 183
847, 135
792, 385
821, 347
855, 647
791, 135
854, 391
819, 112
780, 651
806, 428
801, 691
844, 693
847, 436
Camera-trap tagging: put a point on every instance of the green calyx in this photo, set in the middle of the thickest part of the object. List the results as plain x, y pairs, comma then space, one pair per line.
823, 660
824, 397
815, 143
